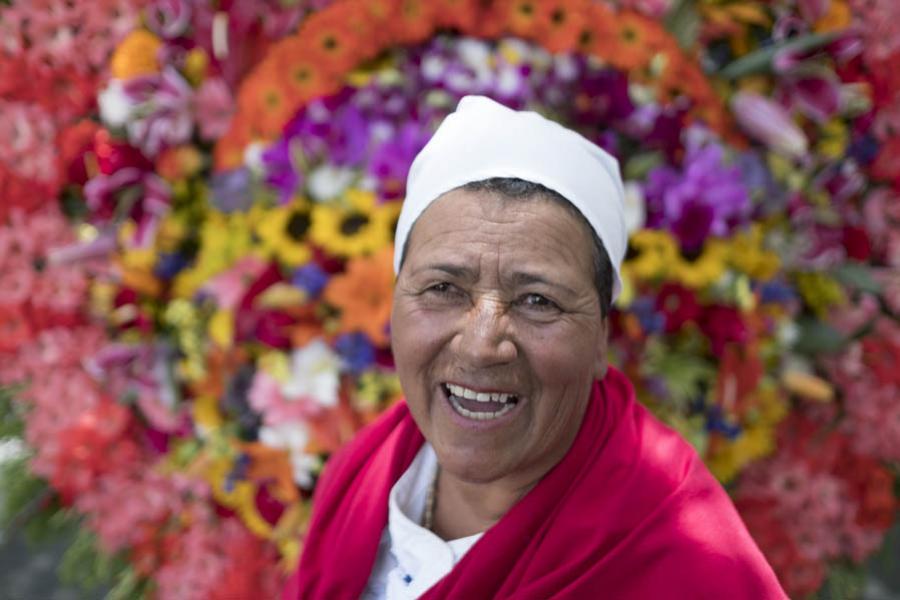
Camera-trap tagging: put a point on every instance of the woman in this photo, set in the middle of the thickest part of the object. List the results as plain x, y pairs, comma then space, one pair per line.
520, 465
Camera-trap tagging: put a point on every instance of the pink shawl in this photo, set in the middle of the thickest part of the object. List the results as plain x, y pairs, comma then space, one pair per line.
629, 512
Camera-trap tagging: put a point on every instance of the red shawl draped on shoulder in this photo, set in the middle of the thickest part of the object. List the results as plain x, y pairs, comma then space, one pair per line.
629, 512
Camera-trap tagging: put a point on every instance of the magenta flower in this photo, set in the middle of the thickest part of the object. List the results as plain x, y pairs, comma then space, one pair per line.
162, 111
707, 198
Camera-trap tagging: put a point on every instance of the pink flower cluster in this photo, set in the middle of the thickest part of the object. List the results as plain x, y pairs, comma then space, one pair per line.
217, 559
866, 374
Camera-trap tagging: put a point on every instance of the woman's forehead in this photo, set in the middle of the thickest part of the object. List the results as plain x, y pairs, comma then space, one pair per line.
464, 227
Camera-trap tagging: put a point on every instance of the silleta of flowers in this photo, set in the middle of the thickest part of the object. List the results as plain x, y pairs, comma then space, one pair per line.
196, 217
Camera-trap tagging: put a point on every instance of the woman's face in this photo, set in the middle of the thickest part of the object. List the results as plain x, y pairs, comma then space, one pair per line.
496, 300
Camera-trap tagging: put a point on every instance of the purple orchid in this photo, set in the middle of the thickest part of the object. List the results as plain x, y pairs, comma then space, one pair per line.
707, 198
391, 160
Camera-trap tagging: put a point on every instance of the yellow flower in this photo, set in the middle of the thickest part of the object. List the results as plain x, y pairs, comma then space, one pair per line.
748, 255
654, 252
283, 231
808, 386
837, 17
730, 458
820, 292
207, 416
833, 139
136, 55
223, 240
376, 390
355, 226
703, 270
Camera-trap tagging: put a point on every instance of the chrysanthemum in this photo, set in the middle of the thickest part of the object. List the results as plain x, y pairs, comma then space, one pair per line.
353, 227
283, 231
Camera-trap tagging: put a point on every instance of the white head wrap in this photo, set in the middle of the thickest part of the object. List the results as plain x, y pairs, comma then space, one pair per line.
484, 139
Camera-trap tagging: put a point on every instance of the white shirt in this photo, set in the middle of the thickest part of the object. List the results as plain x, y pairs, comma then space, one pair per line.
411, 558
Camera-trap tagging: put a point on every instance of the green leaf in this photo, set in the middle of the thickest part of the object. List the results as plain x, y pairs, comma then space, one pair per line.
845, 581
857, 275
817, 337
12, 423
639, 165
85, 565
760, 61
683, 21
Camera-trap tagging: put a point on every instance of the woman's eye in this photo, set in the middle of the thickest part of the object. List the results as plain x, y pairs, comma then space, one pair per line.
539, 302
441, 288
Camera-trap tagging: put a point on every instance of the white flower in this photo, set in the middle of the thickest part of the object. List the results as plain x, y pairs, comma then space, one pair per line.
115, 107
314, 374
635, 207
328, 182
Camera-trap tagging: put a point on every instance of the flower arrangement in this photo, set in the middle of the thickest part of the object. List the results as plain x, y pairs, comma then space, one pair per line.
195, 250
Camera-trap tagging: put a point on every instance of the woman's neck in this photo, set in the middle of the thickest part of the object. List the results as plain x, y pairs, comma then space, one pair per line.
463, 508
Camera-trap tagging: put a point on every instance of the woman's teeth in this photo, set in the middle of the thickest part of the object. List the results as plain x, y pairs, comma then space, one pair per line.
461, 392
488, 405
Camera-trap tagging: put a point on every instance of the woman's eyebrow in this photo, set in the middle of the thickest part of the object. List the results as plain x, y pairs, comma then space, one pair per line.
523, 278
454, 270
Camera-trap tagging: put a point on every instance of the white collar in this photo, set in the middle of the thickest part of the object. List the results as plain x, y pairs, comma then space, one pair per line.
422, 557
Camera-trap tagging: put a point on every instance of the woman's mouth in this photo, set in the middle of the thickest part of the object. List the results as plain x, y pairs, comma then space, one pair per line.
479, 406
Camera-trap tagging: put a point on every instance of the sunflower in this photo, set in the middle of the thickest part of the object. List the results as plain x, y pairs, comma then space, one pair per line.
363, 295
650, 253
353, 227
283, 232
697, 272
749, 255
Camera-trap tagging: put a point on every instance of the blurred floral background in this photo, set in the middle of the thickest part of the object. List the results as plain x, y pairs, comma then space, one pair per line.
197, 203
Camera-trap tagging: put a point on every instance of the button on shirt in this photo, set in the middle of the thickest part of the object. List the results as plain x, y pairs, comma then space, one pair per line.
411, 559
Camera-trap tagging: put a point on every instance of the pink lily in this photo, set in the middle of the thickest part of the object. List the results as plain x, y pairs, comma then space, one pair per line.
769, 122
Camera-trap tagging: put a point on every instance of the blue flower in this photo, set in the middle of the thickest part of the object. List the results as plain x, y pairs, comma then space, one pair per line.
356, 350
310, 278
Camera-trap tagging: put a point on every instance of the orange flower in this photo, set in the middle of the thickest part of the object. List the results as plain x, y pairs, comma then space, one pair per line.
519, 17
136, 55
414, 21
229, 151
462, 15
329, 41
363, 295
561, 23
265, 101
597, 34
305, 76
272, 465
637, 40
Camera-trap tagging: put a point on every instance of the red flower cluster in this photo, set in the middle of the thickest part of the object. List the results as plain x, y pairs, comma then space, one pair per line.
816, 500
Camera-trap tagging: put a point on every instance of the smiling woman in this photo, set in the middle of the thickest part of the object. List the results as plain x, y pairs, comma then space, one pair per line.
520, 464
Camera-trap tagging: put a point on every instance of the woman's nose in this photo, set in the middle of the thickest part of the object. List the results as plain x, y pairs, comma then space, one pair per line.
484, 339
